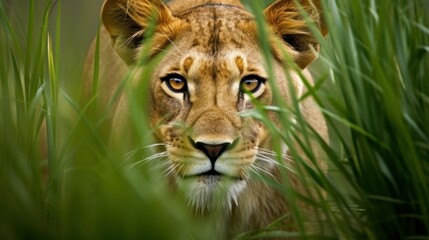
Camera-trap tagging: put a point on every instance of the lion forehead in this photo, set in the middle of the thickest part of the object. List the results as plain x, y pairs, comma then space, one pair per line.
195, 63
216, 28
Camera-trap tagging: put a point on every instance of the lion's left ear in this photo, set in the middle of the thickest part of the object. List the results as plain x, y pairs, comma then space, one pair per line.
127, 22
285, 17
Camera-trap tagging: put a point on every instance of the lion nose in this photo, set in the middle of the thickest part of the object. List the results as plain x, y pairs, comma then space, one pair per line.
212, 151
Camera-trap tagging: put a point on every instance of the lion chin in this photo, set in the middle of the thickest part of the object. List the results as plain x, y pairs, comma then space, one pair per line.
207, 193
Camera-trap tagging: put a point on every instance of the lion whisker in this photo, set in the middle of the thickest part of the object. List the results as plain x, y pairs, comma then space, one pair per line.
174, 45
156, 156
257, 168
266, 159
258, 174
270, 160
173, 167
273, 154
135, 150
161, 163
167, 51
169, 170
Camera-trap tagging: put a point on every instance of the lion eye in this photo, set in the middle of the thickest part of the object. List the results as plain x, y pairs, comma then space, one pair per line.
251, 83
175, 83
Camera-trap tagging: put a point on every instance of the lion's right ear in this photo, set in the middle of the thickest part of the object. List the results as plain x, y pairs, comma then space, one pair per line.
127, 20
286, 20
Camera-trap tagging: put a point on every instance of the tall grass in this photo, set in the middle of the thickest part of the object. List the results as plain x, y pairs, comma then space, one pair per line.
87, 195
376, 104
377, 52
371, 85
22, 87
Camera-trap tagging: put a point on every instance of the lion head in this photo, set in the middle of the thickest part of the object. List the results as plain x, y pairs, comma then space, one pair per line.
211, 71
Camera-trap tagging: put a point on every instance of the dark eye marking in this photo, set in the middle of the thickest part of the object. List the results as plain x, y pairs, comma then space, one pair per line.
251, 83
176, 83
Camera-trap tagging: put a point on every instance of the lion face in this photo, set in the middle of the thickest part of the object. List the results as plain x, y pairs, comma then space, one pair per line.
211, 72
199, 91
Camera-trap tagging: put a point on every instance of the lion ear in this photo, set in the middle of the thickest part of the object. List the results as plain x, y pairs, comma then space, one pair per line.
286, 20
127, 20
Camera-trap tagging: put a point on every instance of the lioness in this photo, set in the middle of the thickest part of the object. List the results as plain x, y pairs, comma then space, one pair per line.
212, 62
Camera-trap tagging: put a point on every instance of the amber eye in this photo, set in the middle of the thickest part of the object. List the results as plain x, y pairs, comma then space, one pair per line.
251, 83
175, 83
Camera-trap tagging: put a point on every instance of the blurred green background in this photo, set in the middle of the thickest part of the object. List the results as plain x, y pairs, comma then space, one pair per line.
79, 22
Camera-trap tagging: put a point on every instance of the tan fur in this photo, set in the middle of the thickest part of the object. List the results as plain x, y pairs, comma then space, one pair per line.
213, 44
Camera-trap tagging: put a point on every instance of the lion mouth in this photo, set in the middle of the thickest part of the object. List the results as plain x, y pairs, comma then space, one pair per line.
213, 174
